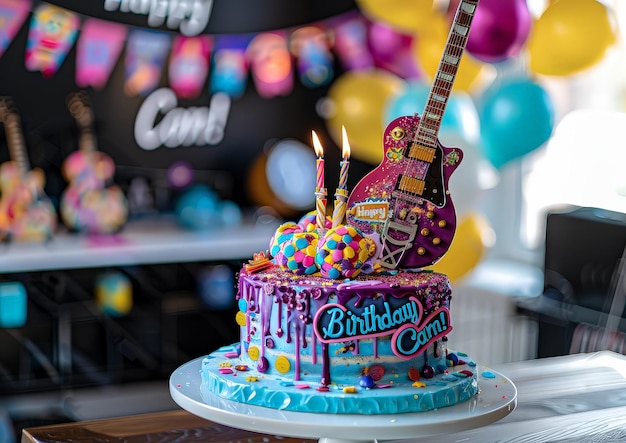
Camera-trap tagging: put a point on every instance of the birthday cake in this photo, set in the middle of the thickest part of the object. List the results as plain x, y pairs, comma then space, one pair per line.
371, 343
341, 316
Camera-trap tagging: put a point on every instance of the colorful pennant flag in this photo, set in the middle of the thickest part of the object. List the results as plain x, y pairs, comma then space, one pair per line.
52, 33
189, 65
12, 16
146, 53
229, 73
97, 50
351, 44
270, 64
311, 47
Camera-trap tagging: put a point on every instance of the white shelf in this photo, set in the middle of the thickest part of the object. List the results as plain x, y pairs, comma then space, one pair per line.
149, 241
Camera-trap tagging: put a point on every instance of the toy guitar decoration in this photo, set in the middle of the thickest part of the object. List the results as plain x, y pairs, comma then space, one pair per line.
26, 214
405, 200
90, 204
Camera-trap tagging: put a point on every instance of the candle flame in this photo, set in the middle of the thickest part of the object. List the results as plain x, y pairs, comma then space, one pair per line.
319, 149
345, 143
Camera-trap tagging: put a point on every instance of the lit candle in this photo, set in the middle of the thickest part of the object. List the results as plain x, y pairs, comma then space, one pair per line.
320, 190
345, 162
341, 194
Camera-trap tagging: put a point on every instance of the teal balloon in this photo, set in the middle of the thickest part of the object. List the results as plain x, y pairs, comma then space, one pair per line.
460, 116
516, 117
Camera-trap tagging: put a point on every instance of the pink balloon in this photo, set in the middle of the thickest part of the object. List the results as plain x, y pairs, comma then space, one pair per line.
499, 29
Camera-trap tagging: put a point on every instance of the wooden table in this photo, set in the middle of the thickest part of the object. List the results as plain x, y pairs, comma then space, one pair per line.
163, 427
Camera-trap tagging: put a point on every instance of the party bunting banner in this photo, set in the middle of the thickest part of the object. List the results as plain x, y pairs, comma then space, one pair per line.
270, 61
12, 16
97, 50
52, 33
311, 47
146, 53
189, 65
229, 72
273, 58
351, 44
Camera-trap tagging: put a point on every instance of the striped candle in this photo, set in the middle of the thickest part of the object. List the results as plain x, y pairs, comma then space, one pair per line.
341, 194
320, 190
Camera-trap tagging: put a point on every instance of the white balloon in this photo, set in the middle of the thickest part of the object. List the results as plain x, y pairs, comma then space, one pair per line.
474, 175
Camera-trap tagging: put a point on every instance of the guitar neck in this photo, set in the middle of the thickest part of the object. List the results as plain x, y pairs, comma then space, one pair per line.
87, 139
78, 106
15, 141
430, 121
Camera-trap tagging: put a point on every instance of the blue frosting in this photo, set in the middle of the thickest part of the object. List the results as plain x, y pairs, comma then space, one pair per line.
258, 389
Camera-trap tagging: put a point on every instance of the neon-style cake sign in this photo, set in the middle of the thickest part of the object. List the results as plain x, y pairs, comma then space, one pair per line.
412, 334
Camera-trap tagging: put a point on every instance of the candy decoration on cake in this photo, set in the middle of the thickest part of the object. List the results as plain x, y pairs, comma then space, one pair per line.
90, 203
26, 213
342, 252
297, 255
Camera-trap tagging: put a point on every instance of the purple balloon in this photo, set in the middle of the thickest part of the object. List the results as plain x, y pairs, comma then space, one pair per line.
499, 29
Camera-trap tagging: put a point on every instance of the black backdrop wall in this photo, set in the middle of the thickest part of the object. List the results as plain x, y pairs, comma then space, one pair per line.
253, 122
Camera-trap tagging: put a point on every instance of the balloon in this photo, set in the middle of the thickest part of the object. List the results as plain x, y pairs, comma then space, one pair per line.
570, 36
259, 190
428, 49
460, 116
499, 29
391, 50
357, 100
472, 239
516, 117
407, 15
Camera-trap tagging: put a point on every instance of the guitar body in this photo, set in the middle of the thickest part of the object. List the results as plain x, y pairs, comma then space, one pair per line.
413, 228
26, 214
88, 204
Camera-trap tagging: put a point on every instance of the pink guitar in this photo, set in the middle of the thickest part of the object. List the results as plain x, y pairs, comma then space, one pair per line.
405, 200
89, 203
26, 214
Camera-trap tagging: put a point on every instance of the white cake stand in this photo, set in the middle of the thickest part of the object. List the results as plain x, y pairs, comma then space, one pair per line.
497, 398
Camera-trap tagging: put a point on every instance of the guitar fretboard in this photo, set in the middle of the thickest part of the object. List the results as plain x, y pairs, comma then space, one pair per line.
14, 136
78, 105
430, 120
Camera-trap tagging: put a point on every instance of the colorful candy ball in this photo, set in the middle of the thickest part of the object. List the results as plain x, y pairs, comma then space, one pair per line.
308, 223
283, 233
342, 252
297, 255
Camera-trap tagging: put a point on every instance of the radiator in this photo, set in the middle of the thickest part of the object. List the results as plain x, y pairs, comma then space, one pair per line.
486, 325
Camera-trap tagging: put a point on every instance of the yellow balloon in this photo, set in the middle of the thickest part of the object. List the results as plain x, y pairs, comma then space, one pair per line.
407, 15
472, 239
570, 36
428, 48
357, 101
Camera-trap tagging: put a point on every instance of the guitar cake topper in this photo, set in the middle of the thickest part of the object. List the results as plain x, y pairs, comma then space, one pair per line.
90, 204
404, 203
26, 213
